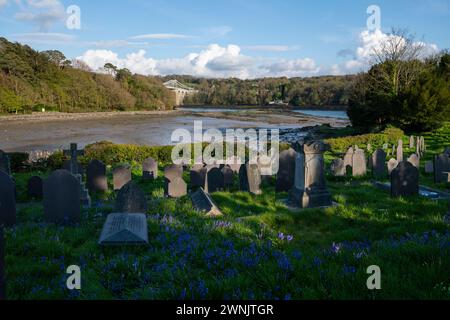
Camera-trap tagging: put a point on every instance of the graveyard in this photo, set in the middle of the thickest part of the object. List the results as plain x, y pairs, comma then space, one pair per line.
148, 229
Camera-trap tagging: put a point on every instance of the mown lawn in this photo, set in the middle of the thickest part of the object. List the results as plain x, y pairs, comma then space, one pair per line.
259, 249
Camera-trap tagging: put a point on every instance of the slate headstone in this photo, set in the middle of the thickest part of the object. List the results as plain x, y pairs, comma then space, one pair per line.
359, 165
228, 176
198, 176
131, 199
286, 171
429, 167
202, 202
5, 165
150, 169
7, 200
62, 198
67, 165
379, 163
2, 265
124, 229
391, 165
441, 165
337, 167
121, 176
35, 187
405, 180
414, 160
250, 178
96, 176
215, 180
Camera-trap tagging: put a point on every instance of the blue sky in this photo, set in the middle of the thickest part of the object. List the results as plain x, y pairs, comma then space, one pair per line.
218, 38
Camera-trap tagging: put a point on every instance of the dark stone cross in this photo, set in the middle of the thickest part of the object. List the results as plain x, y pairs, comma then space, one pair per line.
74, 153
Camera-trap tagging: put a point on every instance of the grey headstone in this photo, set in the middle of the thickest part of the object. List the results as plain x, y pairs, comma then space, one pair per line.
175, 188
337, 168
391, 165
441, 164
173, 171
348, 157
67, 165
96, 179
121, 176
2, 265
124, 229
250, 178
379, 163
286, 171
414, 160
5, 165
429, 167
359, 165
418, 149
228, 176
411, 142
203, 202
74, 153
235, 163
400, 151
215, 180
62, 198
131, 199
405, 180
150, 169
35, 187
310, 189
198, 176
7, 200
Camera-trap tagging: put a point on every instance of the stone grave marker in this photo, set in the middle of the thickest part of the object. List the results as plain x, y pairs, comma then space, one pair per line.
7, 200
131, 199
250, 178
310, 189
62, 198
379, 163
215, 180
429, 167
418, 149
173, 171
337, 168
67, 165
202, 202
411, 142
198, 176
400, 151
74, 153
2, 265
359, 165
348, 158
35, 187
286, 171
441, 165
174, 186
235, 163
124, 229
150, 169
405, 180
228, 176
414, 160
121, 176
96, 176
5, 165
391, 165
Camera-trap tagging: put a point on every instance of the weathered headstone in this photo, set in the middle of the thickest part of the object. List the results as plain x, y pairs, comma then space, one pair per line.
173, 171
411, 142
124, 229
418, 149
5, 165
423, 146
337, 168
198, 176
286, 171
7, 200
414, 160
359, 165
405, 180
67, 165
96, 176
441, 165
391, 165
310, 189
62, 198
74, 153
250, 178
379, 163
35, 187
215, 180
400, 151
150, 169
203, 202
2, 265
175, 188
235, 163
429, 167
348, 157
131, 199
121, 176
228, 176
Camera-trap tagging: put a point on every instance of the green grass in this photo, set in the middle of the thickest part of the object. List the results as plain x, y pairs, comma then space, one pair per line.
246, 254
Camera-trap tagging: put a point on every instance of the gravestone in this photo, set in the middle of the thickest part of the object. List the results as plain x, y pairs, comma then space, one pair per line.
131, 199
150, 169
310, 189
418, 149
391, 165
250, 178
359, 165
286, 171
62, 198
5, 165
405, 180
348, 157
379, 163
73, 153
215, 180
423, 147
173, 171
400, 151
124, 229
265, 165
35, 187
411, 142
337, 168
414, 160
198, 176
67, 165
96, 176
429, 167
121, 176
2, 265
228, 176
175, 188
202, 202
441, 165
235, 163
7, 200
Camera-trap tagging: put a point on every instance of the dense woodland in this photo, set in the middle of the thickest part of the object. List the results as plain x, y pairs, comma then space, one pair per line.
32, 80
325, 91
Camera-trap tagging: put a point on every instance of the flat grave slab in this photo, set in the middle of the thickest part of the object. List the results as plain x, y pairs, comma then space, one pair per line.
124, 229
203, 202
424, 191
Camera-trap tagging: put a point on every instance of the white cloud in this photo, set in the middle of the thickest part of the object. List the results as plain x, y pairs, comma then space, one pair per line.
43, 13
3, 3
